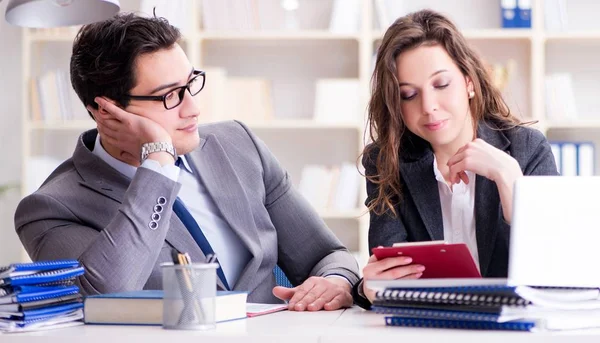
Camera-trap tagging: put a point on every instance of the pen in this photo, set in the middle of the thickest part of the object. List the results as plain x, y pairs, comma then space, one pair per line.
186, 285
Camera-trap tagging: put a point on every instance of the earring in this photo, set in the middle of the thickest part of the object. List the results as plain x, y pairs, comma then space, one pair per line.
471, 94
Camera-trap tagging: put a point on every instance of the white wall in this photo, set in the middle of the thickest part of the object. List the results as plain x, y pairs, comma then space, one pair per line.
10, 135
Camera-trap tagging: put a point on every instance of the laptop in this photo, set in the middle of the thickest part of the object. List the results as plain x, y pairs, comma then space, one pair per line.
555, 232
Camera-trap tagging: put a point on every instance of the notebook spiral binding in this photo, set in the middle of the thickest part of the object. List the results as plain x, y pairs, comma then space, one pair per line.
458, 324
436, 314
454, 298
52, 277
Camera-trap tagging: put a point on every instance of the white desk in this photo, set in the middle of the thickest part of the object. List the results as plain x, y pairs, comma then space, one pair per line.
352, 325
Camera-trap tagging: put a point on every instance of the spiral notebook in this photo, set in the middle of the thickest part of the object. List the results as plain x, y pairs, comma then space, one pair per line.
40, 273
25, 294
459, 324
484, 299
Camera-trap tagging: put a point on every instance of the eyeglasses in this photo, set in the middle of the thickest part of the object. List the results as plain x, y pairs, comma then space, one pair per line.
175, 96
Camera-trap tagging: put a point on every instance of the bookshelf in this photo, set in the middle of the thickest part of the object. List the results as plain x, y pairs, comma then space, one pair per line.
297, 58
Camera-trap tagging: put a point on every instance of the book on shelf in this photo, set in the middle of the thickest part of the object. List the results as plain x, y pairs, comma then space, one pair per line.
337, 101
247, 99
175, 11
560, 97
52, 98
231, 15
146, 307
574, 158
388, 11
345, 16
331, 188
555, 15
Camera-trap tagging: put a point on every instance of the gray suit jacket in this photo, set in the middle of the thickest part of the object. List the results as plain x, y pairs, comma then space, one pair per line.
420, 211
88, 211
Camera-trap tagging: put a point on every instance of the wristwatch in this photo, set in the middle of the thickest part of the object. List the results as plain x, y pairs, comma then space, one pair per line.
148, 148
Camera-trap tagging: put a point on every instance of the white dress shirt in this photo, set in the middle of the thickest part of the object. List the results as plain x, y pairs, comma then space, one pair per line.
458, 211
233, 254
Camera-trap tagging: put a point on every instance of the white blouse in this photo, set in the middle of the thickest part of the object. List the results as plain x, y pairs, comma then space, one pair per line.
458, 211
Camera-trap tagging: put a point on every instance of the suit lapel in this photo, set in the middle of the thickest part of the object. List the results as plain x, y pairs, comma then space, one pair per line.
422, 185
220, 179
488, 213
100, 177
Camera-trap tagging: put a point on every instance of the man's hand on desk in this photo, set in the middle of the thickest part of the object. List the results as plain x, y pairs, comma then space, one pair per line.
317, 293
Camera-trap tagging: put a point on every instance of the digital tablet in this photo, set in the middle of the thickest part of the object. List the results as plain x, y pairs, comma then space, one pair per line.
441, 259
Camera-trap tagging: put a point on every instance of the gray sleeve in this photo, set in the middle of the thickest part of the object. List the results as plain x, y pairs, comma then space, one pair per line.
118, 258
306, 246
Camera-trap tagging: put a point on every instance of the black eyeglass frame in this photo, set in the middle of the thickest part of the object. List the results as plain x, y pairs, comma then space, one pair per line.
181, 90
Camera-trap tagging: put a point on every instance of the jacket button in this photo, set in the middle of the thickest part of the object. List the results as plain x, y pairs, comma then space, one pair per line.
153, 225
161, 200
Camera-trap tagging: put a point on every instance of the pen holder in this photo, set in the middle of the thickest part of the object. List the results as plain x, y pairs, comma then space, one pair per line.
190, 293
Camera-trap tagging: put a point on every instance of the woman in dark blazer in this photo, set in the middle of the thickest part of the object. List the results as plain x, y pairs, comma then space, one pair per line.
445, 151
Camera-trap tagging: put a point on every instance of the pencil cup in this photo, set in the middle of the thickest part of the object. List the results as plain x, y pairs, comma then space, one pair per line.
189, 298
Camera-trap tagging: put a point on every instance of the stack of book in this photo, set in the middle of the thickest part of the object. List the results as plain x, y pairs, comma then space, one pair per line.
489, 307
40, 295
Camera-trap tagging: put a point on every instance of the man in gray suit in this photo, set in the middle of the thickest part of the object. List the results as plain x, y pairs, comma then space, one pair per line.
194, 189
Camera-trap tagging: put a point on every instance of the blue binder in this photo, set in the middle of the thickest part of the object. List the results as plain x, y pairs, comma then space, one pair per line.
458, 324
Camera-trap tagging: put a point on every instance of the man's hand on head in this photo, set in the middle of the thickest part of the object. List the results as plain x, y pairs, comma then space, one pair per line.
128, 132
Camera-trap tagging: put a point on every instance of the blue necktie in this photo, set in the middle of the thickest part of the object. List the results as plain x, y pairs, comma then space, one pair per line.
192, 226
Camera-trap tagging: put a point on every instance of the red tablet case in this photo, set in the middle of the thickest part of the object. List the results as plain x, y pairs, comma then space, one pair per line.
441, 260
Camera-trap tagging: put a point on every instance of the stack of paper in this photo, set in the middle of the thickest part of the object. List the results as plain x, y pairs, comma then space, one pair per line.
489, 304
40, 295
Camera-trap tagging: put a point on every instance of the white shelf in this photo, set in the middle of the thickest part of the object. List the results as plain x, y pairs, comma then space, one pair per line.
81, 124
572, 35
352, 214
575, 124
495, 34
300, 124
84, 124
276, 35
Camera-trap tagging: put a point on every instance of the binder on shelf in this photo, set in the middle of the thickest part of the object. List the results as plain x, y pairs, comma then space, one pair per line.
574, 158
523, 16
508, 8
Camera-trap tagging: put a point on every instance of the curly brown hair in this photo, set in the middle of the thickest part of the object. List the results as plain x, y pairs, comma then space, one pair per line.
386, 127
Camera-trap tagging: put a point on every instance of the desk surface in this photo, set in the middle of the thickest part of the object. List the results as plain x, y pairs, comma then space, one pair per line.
352, 325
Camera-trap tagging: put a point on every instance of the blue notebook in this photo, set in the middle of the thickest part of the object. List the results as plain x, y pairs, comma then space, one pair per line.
40, 277
458, 324
49, 311
24, 294
436, 314
22, 268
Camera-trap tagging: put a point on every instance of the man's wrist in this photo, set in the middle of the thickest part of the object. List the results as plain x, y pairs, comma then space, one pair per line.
158, 151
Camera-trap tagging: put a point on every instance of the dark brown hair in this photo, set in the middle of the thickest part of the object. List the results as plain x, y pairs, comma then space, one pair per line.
386, 126
105, 53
